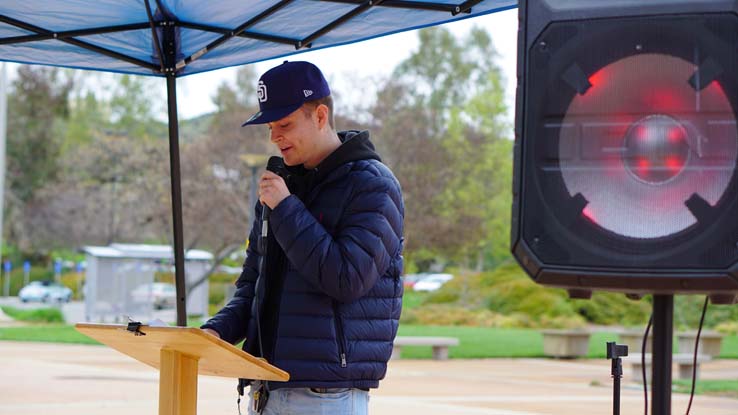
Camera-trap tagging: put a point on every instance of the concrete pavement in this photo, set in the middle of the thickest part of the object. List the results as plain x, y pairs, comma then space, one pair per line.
86, 380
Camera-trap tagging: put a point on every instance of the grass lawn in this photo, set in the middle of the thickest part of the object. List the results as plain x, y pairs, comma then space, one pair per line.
475, 342
478, 342
56, 333
728, 388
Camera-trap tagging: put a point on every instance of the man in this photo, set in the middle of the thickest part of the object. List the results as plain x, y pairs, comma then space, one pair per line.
328, 306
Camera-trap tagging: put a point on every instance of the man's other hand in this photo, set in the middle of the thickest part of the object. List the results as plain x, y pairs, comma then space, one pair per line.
211, 332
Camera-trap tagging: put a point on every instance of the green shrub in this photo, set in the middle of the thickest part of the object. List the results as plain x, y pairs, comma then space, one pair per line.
613, 308
523, 296
413, 299
728, 328
442, 296
563, 322
222, 277
507, 290
216, 296
74, 280
37, 315
688, 309
450, 315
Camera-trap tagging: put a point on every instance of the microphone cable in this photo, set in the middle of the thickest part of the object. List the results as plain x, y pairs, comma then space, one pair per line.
274, 165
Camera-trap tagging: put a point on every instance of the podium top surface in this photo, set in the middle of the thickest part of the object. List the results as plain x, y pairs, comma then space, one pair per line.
215, 357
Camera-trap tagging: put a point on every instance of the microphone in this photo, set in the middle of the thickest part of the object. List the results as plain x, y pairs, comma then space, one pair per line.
274, 165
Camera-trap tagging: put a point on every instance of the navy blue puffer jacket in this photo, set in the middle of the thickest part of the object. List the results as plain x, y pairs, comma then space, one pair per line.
331, 306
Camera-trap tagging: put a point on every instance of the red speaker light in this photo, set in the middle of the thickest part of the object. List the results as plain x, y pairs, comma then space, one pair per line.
656, 149
587, 212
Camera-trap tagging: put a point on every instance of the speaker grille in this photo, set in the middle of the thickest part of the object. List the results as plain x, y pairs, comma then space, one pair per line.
630, 143
645, 141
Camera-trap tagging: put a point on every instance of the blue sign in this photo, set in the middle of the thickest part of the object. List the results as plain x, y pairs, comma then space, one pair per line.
80, 268
26, 266
57, 266
7, 266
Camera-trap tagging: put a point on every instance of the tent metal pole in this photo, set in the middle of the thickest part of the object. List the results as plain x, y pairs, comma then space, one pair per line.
179, 272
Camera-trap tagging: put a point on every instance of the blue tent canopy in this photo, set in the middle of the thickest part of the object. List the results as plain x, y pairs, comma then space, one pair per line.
117, 35
174, 38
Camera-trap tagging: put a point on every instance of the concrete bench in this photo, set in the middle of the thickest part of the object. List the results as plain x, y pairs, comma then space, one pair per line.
634, 340
440, 345
710, 342
684, 362
565, 343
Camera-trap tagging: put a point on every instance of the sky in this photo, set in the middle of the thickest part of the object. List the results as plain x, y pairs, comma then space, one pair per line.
364, 61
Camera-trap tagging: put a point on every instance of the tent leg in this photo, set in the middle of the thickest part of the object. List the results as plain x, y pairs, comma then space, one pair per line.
179, 275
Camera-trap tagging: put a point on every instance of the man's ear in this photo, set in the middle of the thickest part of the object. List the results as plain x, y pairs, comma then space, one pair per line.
321, 112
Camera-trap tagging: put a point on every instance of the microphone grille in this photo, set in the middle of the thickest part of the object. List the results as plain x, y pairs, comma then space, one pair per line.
276, 165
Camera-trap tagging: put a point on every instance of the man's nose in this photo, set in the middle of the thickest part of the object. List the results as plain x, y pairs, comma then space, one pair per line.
274, 136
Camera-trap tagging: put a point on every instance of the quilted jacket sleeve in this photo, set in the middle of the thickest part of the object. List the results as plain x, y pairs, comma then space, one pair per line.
345, 265
231, 321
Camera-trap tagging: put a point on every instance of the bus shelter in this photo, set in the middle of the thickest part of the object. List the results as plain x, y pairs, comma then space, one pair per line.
121, 282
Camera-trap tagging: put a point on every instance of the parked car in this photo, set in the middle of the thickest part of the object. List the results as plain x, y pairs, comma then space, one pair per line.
45, 292
409, 280
432, 282
160, 294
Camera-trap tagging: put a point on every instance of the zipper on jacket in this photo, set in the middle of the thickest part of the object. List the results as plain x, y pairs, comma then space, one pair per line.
339, 335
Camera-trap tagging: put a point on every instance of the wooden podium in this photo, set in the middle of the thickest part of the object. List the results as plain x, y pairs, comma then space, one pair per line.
180, 353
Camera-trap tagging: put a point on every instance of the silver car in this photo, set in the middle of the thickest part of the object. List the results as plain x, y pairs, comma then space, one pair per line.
45, 292
159, 294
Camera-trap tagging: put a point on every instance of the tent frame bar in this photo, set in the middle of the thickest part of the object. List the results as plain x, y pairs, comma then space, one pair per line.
235, 32
77, 42
413, 5
71, 35
361, 8
245, 34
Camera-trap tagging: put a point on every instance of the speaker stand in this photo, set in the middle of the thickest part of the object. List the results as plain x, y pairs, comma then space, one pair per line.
663, 331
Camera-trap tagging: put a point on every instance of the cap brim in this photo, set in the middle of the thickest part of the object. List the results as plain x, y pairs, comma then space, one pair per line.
274, 114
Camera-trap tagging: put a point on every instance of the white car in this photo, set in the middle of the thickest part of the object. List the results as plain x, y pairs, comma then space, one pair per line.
432, 282
45, 292
160, 294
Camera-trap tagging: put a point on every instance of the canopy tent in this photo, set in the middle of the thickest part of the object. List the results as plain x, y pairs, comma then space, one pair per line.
174, 38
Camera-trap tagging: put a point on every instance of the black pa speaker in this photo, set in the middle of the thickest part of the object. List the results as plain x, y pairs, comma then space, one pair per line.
626, 176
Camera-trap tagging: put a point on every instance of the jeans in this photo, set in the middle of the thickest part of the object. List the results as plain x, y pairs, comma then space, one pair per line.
304, 401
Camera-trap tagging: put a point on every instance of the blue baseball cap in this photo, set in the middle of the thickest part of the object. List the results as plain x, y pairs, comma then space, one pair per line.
284, 88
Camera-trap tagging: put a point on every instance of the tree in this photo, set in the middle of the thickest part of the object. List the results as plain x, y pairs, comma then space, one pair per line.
111, 190
445, 71
132, 108
37, 106
438, 121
